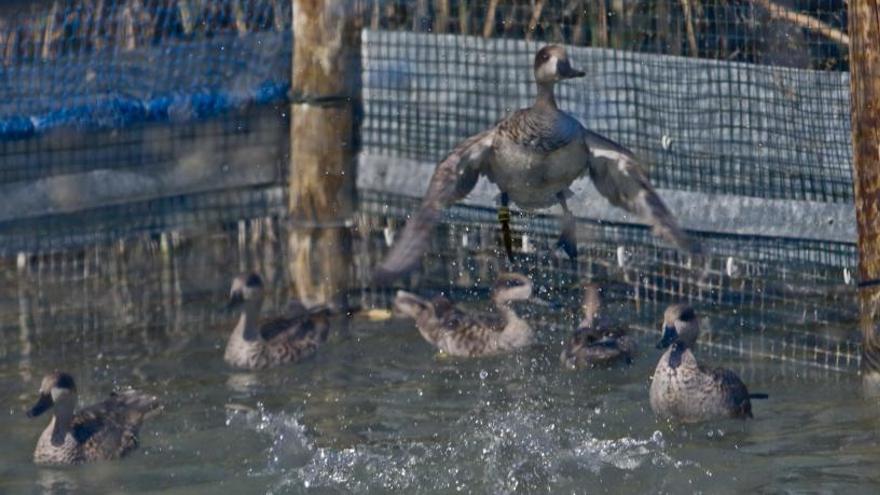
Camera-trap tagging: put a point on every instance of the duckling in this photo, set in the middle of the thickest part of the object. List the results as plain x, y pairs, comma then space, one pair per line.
458, 333
685, 390
533, 156
598, 341
104, 431
289, 339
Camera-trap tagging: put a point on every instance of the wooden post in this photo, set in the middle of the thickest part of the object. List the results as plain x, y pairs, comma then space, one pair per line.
864, 32
325, 86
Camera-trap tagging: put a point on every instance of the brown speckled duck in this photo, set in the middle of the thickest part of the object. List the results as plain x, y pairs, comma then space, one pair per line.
598, 341
458, 333
103, 431
277, 341
683, 389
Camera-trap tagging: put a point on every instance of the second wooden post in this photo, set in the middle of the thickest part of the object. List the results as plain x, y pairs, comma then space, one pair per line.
325, 86
864, 49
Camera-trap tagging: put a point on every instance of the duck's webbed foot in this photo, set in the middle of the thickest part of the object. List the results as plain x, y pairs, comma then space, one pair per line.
568, 238
504, 220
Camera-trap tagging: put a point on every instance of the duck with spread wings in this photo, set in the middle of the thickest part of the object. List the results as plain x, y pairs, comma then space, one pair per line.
533, 156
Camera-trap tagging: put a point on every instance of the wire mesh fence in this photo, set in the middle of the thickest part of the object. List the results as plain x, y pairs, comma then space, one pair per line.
776, 127
788, 299
805, 34
140, 286
126, 119
710, 126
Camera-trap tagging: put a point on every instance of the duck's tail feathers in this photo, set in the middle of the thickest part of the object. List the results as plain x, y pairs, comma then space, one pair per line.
323, 310
139, 404
759, 396
333, 309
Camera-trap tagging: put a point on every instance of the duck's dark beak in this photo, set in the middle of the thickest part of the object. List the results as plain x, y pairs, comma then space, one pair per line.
565, 71
235, 300
669, 336
42, 405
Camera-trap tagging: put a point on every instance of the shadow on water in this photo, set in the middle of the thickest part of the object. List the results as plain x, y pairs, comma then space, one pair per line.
376, 409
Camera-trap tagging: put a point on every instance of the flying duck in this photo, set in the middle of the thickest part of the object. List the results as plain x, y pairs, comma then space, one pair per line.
533, 156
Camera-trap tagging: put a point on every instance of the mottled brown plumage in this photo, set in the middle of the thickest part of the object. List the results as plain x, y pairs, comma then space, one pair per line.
104, 431
533, 156
598, 341
683, 389
288, 339
459, 333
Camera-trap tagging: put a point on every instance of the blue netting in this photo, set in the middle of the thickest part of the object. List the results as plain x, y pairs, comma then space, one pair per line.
87, 69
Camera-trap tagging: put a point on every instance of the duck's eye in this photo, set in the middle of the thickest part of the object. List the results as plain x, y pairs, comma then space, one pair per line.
253, 280
687, 315
64, 381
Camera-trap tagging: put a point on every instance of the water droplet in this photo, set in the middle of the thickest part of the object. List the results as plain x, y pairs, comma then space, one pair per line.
657, 437
483, 374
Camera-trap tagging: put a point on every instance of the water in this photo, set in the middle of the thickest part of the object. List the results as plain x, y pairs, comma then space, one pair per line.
376, 410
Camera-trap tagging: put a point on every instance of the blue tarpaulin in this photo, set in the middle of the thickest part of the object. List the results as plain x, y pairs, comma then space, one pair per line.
112, 89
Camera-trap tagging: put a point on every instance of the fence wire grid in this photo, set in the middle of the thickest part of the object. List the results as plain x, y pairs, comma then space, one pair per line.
130, 119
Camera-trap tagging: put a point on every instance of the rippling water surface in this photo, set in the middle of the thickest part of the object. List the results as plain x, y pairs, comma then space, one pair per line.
377, 411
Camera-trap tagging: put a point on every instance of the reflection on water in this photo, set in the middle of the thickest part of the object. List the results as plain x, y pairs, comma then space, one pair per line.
376, 410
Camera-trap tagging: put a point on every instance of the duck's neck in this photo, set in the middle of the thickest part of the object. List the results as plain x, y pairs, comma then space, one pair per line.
506, 312
247, 323
676, 354
545, 98
61, 420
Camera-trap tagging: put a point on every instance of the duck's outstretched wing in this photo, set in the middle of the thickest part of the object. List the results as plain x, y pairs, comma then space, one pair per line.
617, 175
109, 429
453, 179
452, 318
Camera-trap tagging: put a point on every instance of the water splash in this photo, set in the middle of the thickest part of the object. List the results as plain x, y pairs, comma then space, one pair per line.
496, 448
290, 444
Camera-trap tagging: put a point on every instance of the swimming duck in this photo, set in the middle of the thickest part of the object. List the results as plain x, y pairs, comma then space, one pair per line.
458, 333
686, 391
533, 156
598, 341
287, 339
104, 431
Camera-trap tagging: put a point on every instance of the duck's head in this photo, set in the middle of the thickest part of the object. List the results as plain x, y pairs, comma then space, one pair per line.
552, 65
245, 289
57, 389
512, 286
680, 324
